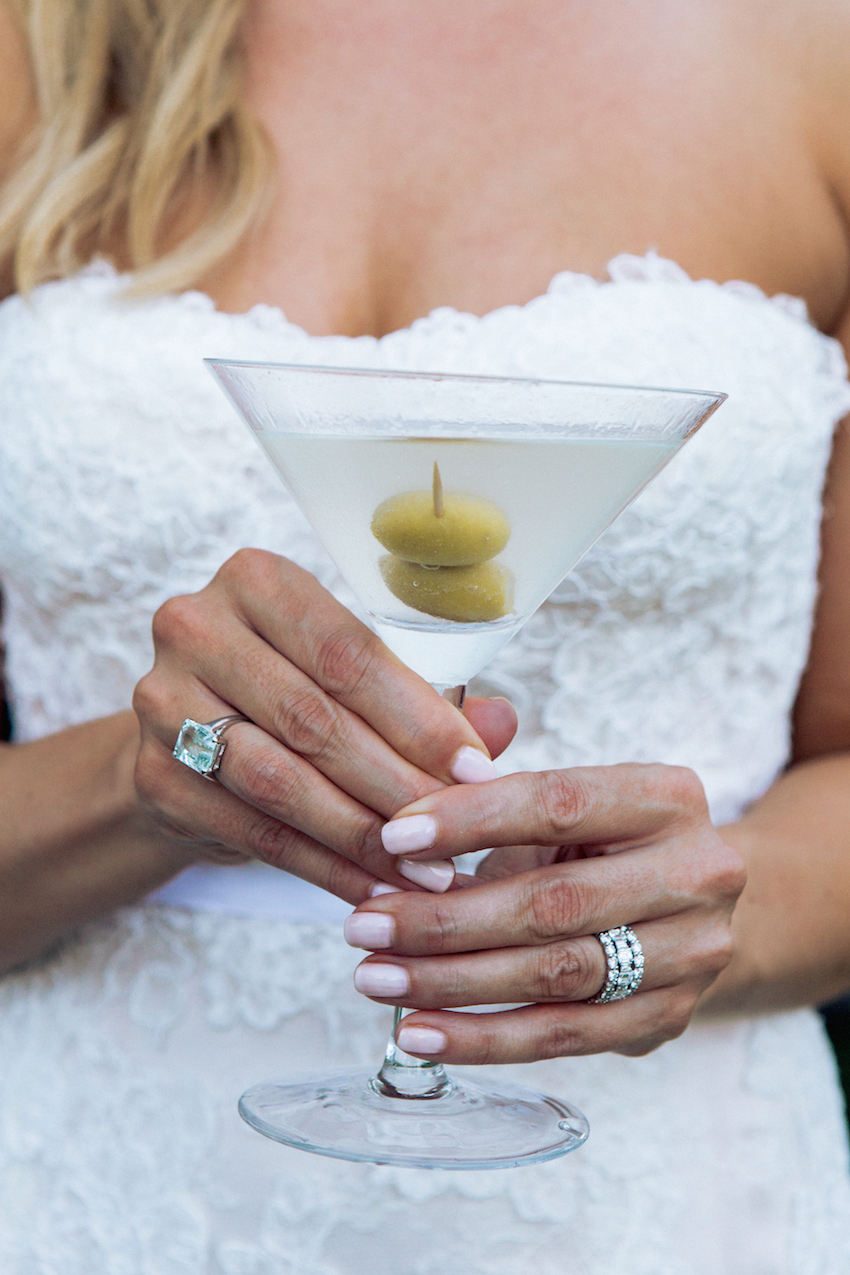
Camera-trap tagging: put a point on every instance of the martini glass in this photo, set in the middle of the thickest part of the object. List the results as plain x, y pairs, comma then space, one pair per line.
453, 505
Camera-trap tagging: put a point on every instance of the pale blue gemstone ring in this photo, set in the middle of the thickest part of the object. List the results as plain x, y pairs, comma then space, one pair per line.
200, 745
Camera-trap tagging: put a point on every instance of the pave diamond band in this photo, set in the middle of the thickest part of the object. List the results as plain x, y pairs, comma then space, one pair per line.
200, 745
624, 955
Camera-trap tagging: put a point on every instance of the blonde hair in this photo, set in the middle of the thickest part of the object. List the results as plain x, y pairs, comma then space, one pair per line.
141, 124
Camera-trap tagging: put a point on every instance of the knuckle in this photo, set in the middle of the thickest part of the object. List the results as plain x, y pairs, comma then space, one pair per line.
344, 657
683, 787
336, 877
148, 697
490, 1049
245, 565
560, 1039
557, 905
412, 788
669, 1021
563, 969
563, 799
177, 621
273, 781
307, 720
676, 1015
729, 872
271, 841
434, 731
363, 839
453, 988
725, 949
720, 950
712, 873
439, 930
481, 1046
706, 952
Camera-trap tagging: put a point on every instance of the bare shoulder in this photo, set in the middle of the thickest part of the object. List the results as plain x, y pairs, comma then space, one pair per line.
822, 716
815, 45
803, 46
810, 44
17, 99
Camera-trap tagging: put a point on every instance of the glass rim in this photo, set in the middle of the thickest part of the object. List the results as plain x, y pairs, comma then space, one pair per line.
719, 396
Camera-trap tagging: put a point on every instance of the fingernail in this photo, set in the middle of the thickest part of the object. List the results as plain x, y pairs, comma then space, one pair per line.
414, 832
371, 930
421, 1040
381, 980
381, 887
471, 766
436, 875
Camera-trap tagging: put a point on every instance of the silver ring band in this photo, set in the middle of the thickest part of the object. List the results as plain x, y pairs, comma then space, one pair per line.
200, 745
624, 955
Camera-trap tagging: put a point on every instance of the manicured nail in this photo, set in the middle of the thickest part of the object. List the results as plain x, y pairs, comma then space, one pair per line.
381, 887
371, 930
381, 980
471, 766
421, 1040
414, 832
436, 875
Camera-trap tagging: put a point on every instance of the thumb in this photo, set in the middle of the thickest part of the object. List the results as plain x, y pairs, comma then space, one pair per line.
494, 720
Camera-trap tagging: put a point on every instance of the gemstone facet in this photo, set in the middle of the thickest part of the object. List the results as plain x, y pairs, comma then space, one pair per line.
198, 747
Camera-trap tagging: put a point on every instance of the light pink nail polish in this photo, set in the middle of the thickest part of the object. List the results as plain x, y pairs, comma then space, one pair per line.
421, 1040
381, 980
471, 766
436, 875
381, 887
372, 930
413, 832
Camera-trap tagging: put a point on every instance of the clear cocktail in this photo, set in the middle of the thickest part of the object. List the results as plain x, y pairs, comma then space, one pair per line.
556, 497
452, 505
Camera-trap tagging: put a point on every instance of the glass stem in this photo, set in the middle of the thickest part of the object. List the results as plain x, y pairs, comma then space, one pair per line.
402, 1075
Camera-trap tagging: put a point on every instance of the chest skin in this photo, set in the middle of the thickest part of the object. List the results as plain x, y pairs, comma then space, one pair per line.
463, 154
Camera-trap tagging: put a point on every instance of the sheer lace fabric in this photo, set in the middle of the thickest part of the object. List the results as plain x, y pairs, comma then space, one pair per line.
125, 478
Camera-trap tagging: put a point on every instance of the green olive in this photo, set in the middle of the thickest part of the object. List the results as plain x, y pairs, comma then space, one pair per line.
470, 530
469, 595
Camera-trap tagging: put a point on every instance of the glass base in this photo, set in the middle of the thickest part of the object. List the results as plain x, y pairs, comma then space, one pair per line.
466, 1126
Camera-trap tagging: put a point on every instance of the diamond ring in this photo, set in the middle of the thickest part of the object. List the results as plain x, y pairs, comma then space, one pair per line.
200, 745
624, 955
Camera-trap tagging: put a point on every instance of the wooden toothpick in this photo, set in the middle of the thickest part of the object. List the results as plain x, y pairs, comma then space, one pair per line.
437, 492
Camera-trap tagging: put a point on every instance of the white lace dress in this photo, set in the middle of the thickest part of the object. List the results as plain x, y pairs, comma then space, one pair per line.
124, 478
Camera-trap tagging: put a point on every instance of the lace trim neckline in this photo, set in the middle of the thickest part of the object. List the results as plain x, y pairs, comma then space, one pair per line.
624, 268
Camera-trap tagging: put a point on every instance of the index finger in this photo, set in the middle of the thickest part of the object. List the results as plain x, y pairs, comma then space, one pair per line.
615, 806
348, 661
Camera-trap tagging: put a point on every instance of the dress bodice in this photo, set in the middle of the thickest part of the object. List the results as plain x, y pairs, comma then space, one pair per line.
681, 637
125, 477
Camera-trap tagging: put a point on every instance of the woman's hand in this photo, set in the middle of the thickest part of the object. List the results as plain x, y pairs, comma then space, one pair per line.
622, 845
340, 733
